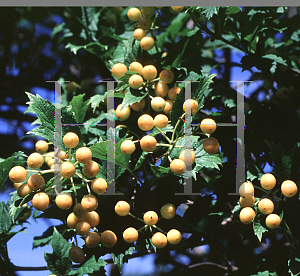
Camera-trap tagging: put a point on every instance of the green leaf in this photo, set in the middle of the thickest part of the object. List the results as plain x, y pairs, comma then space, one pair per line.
79, 107
275, 58
141, 160
88, 267
99, 150
160, 171
294, 263
5, 219
177, 110
92, 47
232, 10
265, 273
210, 11
96, 100
118, 260
201, 87
258, 228
133, 96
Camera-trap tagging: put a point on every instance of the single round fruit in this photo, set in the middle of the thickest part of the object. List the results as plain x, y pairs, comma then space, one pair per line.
168, 106
211, 145
167, 76
99, 185
161, 120
41, 146
71, 140
24, 190
177, 166
122, 208
149, 72
130, 235
148, 11
35, 182
138, 106
247, 201
159, 240
17, 174
40, 201
122, 113
139, 33
92, 218
78, 211
172, 93
268, 181
145, 23
110, 18
289, 188
208, 126
148, 143
150, 218
147, 43
273, 221
118, 70
127, 147
158, 104
247, 215
64, 201
145, 122
72, 220
83, 228
62, 155
168, 211
246, 189
177, 9
174, 236
92, 240
89, 203
188, 156
67, 170
108, 238
135, 81
90, 169
266, 206
49, 158
134, 14
76, 254
136, 67
83, 155
161, 89
193, 104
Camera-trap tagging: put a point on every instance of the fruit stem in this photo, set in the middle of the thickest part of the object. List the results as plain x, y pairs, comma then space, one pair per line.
76, 163
69, 152
158, 228
179, 120
163, 134
88, 188
135, 217
84, 179
261, 189
153, 22
142, 228
163, 145
75, 192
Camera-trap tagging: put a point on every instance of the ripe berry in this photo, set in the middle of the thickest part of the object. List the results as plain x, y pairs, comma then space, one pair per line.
266, 206
89, 203
78, 211
211, 145
49, 158
83, 155
90, 169
159, 240
71, 140
149, 72
161, 89
138, 34
24, 190
145, 23
177, 166
168, 106
64, 201
138, 106
247, 201
122, 208
122, 113
35, 182
83, 228
172, 93
148, 143
158, 104
246, 189
136, 67
76, 254
161, 120
41, 146
208, 125
289, 188
40, 201
62, 155
17, 174
174, 236
247, 215
72, 220
167, 76
135, 81
130, 235
134, 14
99, 185
192, 104
127, 147
268, 181
108, 238
147, 43
168, 211
118, 70
92, 218
67, 170
148, 11
150, 218
145, 122
35, 160
188, 156
273, 221
177, 9
92, 240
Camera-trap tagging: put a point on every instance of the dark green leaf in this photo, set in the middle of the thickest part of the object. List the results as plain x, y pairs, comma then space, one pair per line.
96, 100
89, 267
294, 263
210, 11
5, 219
79, 107
258, 228
92, 47
160, 171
